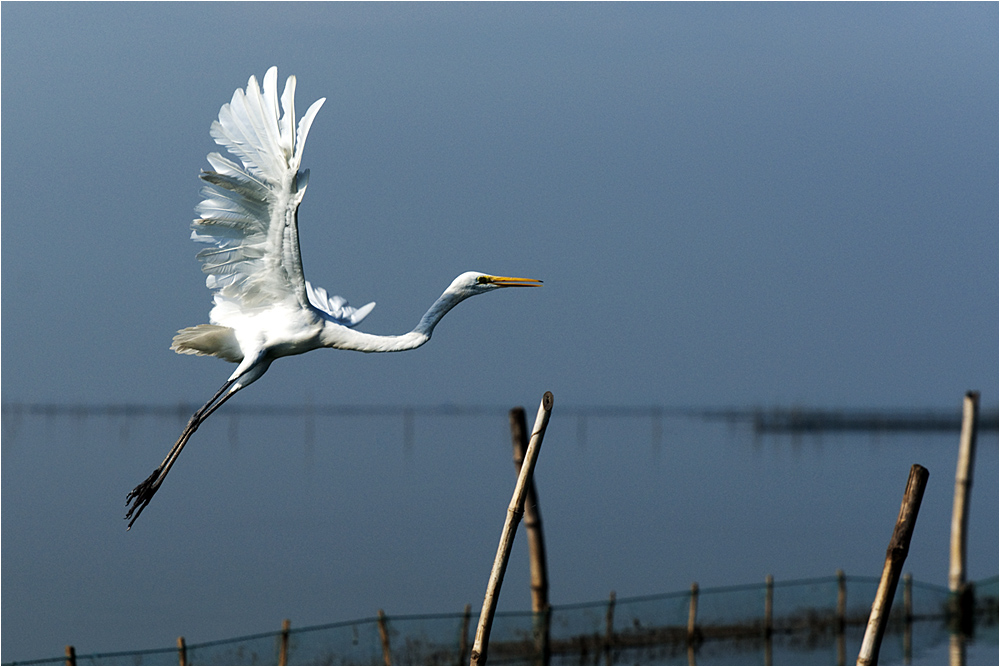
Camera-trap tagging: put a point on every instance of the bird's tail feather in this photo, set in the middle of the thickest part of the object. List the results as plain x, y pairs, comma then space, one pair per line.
208, 340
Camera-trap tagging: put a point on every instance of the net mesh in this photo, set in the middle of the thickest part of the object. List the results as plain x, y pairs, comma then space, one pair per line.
808, 622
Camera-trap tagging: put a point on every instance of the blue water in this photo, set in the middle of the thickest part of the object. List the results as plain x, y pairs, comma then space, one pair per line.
325, 519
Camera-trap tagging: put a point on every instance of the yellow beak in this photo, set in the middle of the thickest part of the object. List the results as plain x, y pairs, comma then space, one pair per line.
503, 281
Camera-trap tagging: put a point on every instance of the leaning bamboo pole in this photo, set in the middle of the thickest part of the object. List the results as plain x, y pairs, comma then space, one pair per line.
514, 511
895, 556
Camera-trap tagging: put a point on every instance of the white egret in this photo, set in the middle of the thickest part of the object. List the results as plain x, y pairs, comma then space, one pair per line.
264, 307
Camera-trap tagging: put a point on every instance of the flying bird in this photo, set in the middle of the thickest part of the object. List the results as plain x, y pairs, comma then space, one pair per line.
264, 308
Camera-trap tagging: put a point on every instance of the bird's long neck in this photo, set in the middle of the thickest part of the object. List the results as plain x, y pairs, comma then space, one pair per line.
335, 335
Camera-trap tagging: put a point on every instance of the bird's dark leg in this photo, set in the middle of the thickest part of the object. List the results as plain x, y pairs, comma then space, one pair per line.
140, 496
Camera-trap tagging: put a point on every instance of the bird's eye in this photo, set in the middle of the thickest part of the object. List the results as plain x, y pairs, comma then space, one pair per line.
482, 280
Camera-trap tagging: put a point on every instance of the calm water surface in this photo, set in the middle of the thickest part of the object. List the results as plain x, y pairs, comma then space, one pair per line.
321, 519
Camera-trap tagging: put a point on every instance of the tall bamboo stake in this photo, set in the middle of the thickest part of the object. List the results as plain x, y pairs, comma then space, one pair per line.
383, 634
286, 625
70, 655
895, 556
182, 654
463, 640
960, 509
536, 542
514, 511
532, 517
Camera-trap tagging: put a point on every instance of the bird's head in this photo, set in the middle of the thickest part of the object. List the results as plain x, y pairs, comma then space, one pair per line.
472, 283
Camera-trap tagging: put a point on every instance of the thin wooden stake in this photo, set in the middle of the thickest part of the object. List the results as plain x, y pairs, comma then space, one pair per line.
514, 511
841, 618
383, 634
895, 556
609, 629
841, 601
693, 613
182, 654
70, 655
286, 625
768, 618
768, 605
692, 629
463, 641
961, 592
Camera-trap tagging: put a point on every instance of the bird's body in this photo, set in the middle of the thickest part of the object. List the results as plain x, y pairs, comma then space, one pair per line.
264, 308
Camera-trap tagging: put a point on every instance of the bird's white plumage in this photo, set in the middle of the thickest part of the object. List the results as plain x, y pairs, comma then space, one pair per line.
264, 308
248, 215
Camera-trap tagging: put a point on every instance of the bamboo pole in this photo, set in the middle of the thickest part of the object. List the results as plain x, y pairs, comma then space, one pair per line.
383, 634
768, 618
693, 614
514, 511
768, 605
532, 516
961, 601
536, 543
895, 556
463, 640
182, 655
960, 590
841, 618
609, 629
692, 629
841, 600
956, 649
70, 655
283, 646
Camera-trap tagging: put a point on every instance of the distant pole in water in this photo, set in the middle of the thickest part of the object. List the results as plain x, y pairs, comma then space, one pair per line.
286, 625
383, 635
963, 486
841, 617
768, 618
692, 629
895, 557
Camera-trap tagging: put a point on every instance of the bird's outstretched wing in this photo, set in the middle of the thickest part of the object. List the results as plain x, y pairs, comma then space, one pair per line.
248, 216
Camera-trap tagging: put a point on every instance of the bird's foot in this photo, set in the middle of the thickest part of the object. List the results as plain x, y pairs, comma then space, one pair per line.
140, 497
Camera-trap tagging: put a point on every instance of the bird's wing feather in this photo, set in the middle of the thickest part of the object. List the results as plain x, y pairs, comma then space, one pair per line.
336, 306
248, 216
